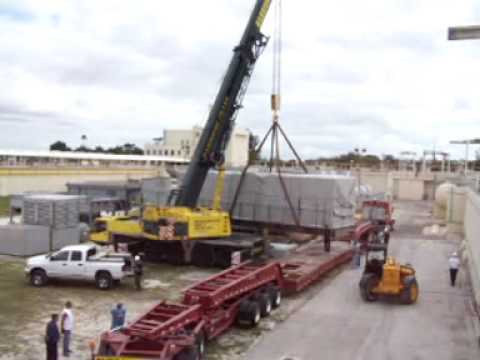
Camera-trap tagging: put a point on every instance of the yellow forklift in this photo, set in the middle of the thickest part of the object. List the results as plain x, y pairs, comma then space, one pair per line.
384, 276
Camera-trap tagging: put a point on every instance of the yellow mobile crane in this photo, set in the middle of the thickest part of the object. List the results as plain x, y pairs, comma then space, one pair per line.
172, 232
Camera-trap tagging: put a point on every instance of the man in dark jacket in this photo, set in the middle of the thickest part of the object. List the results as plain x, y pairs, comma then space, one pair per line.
52, 337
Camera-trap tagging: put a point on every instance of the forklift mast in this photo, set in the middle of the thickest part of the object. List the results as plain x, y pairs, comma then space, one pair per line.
210, 150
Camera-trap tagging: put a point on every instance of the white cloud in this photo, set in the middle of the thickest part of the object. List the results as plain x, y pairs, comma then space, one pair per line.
377, 73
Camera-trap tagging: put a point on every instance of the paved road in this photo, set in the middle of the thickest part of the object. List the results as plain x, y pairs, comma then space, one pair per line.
337, 324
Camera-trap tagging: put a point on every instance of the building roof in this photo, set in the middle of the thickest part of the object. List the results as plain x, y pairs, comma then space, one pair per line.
89, 156
127, 184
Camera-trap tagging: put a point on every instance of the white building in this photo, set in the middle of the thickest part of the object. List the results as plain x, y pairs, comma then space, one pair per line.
182, 143
35, 158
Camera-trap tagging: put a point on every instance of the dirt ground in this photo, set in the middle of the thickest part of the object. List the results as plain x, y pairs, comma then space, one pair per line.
25, 310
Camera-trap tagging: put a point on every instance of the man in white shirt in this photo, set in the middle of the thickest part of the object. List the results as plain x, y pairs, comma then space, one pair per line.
67, 327
454, 264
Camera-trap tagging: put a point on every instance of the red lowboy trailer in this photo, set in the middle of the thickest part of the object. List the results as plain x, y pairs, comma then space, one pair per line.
241, 294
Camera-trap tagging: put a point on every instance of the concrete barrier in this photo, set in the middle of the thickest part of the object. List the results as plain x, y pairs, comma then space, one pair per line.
472, 238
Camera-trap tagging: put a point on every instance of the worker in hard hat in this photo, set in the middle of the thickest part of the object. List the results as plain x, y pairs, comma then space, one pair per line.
454, 264
138, 272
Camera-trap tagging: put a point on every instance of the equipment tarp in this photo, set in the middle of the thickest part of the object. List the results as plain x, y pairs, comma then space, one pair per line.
320, 201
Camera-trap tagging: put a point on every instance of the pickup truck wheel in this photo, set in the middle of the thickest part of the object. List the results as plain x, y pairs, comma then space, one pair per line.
38, 277
104, 280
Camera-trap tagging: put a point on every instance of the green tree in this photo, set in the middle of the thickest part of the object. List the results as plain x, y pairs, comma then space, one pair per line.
59, 146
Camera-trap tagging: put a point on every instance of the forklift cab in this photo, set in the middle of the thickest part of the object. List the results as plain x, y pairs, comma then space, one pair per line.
375, 258
377, 211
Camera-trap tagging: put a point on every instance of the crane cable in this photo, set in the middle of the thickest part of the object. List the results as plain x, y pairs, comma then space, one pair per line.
277, 61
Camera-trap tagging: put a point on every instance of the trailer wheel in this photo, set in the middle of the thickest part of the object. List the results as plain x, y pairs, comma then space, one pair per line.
104, 280
200, 342
38, 277
275, 296
249, 314
189, 353
265, 304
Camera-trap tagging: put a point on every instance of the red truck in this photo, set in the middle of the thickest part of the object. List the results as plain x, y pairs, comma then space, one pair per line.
376, 222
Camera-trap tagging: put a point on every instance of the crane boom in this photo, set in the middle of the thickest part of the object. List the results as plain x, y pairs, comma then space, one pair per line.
211, 146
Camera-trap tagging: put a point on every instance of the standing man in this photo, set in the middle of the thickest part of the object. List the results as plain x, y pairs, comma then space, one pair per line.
138, 272
454, 264
67, 327
52, 337
118, 316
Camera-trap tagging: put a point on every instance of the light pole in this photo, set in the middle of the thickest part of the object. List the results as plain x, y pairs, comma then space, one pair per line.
464, 32
471, 32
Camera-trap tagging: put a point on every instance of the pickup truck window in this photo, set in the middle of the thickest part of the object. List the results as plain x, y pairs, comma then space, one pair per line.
61, 256
76, 256
91, 253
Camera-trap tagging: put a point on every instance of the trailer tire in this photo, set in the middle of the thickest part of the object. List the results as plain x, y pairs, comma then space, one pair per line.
104, 280
248, 314
189, 353
200, 343
275, 295
265, 304
38, 277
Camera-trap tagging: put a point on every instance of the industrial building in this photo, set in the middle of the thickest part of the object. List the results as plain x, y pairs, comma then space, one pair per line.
181, 143
42, 159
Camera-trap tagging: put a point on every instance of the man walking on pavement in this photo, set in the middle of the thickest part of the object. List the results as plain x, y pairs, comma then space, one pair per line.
454, 264
52, 337
138, 272
67, 327
118, 316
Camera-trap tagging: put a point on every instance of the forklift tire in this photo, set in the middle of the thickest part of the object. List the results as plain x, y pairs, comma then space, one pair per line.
275, 295
38, 277
265, 304
103, 280
248, 314
367, 283
409, 294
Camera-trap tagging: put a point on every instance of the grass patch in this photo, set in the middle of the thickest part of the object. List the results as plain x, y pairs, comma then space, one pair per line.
4, 205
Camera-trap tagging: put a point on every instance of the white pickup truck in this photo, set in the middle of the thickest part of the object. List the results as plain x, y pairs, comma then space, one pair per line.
80, 262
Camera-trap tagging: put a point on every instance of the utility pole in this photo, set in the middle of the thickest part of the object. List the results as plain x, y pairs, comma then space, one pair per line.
471, 32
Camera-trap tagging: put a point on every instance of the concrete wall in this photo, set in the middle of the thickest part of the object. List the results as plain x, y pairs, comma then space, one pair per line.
472, 238
408, 189
378, 181
13, 183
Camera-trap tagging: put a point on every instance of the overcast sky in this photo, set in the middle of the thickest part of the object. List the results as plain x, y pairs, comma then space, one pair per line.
378, 74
